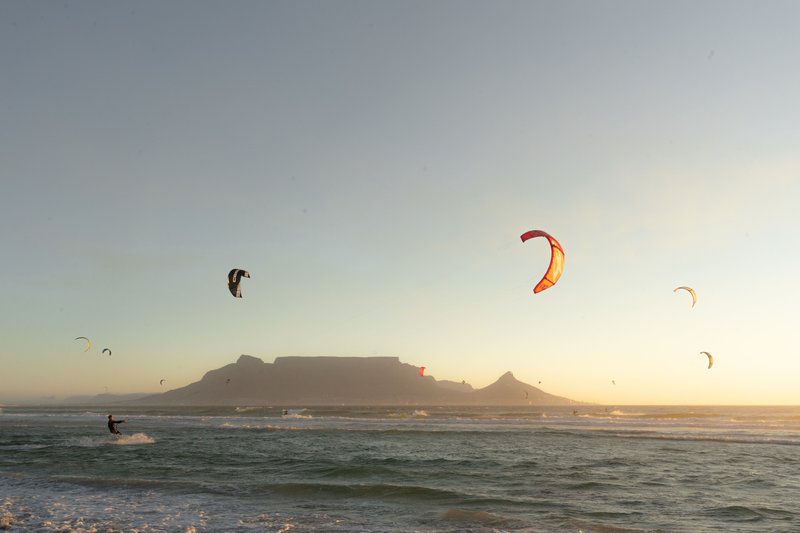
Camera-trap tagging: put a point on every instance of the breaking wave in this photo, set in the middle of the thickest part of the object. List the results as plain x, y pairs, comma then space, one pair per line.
121, 440
136, 438
247, 409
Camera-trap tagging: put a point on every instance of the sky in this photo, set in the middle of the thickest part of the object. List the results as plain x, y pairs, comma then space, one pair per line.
373, 164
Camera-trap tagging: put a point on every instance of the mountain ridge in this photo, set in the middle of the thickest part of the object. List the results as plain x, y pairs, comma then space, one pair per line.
329, 380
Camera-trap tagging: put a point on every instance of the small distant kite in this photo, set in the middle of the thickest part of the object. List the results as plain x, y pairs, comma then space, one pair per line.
88, 343
690, 291
106, 350
526, 394
234, 279
556, 260
227, 381
422, 371
613, 382
162, 382
710, 358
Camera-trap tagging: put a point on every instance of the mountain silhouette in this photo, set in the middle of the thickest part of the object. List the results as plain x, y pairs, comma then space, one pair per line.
299, 381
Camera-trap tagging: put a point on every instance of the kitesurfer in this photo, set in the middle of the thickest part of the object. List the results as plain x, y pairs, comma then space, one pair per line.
112, 425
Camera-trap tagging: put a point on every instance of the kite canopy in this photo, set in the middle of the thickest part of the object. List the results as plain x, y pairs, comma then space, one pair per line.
234, 279
88, 342
162, 381
106, 350
556, 260
690, 291
422, 371
526, 394
710, 358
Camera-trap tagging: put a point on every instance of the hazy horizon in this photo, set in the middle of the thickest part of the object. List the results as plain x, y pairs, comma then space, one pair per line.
44, 401
372, 165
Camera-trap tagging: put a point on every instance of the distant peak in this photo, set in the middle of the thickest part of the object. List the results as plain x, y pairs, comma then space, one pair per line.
249, 360
507, 378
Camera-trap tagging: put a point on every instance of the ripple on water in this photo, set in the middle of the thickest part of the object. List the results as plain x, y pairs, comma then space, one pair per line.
749, 514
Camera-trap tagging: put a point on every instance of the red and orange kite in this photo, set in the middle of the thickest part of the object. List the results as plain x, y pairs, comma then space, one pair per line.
556, 259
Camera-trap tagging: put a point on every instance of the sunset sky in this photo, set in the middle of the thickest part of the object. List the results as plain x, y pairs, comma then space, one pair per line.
373, 164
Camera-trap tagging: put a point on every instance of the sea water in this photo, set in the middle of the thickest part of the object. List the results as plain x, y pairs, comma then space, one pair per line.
401, 469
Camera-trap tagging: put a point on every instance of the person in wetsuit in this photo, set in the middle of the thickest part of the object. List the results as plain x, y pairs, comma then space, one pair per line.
112, 425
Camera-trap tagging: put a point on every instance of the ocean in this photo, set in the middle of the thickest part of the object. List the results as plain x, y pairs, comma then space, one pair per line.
531, 468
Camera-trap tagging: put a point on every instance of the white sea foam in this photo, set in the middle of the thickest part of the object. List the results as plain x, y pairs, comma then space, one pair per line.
266, 427
615, 413
136, 438
123, 440
297, 415
6, 520
619, 412
274, 522
420, 412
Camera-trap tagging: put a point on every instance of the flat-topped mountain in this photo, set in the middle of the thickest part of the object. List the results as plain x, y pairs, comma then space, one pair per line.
298, 381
